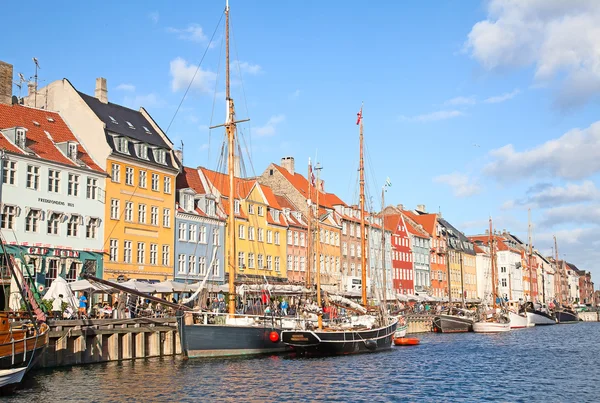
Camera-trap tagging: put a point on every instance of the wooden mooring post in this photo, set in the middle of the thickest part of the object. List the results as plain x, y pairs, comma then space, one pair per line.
74, 342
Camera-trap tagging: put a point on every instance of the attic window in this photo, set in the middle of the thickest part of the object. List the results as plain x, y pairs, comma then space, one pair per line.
130, 125
146, 130
113, 120
51, 120
73, 151
35, 122
20, 138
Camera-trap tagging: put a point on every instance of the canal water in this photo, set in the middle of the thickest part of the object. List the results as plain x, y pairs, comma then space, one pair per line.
550, 364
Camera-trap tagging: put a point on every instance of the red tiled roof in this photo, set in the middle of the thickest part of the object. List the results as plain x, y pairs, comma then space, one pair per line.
285, 203
426, 220
190, 178
485, 239
221, 182
391, 222
478, 249
271, 199
415, 231
299, 182
42, 144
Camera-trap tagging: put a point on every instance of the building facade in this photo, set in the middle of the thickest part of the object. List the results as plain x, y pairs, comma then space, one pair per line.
402, 265
200, 236
52, 197
140, 194
297, 241
420, 246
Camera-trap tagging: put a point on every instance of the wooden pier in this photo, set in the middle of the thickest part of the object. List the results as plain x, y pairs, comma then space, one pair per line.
74, 342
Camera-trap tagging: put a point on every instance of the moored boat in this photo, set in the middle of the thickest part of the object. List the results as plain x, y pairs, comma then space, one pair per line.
540, 318
406, 341
491, 327
452, 324
566, 315
519, 320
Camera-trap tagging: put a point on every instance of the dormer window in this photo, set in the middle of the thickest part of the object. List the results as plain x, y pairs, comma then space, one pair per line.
142, 150
130, 125
275, 215
211, 208
146, 130
72, 151
121, 144
160, 156
20, 138
51, 120
113, 120
236, 207
187, 202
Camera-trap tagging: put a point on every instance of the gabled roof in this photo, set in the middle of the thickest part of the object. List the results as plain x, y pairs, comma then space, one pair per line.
392, 222
455, 239
426, 220
221, 182
43, 135
122, 115
498, 240
285, 203
189, 178
300, 183
415, 231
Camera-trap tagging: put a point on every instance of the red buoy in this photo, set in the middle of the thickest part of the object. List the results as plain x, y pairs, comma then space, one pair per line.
406, 341
274, 336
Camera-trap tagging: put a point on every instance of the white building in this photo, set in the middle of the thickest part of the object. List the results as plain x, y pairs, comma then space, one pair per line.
483, 264
52, 195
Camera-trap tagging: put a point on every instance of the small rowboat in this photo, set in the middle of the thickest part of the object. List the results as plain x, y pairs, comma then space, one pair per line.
406, 341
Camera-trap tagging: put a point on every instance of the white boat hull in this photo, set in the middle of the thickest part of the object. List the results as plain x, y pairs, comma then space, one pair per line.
491, 327
540, 320
11, 376
401, 331
519, 322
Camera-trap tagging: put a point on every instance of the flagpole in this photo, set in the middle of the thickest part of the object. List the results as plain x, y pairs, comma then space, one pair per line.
309, 236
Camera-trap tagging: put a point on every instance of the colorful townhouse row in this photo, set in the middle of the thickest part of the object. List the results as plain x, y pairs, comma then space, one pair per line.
93, 186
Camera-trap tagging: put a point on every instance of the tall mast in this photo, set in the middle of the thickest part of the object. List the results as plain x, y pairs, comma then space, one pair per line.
318, 250
559, 272
529, 261
383, 250
462, 280
230, 128
448, 269
363, 235
309, 237
493, 262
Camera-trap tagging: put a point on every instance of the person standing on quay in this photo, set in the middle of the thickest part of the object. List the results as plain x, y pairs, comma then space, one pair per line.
82, 305
57, 307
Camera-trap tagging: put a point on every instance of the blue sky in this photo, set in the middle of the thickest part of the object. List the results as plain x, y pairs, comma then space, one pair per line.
461, 99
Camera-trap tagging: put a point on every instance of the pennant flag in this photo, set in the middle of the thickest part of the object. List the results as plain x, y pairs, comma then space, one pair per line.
359, 116
388, 182
312, 178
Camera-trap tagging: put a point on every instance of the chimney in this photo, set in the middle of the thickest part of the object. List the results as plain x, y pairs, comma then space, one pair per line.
487, 231
6, 82
288, 163
101, 92
179, 156
400, 207
30, 89
421, 208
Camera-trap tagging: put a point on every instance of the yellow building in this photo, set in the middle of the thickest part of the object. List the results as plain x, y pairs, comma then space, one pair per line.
260, 226
140, 193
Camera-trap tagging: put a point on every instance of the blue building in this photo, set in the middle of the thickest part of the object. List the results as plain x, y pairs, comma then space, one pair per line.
199, 231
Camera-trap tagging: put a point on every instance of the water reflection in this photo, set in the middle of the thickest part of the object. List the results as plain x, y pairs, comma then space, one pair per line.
544, 364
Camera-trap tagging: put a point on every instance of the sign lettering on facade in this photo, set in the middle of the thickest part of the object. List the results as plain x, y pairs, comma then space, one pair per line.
58, 202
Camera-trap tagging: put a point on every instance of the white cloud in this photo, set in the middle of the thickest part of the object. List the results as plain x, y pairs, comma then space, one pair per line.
126, 87
461, 101
192, 32
461, 184
557, 37
248, 68
503, 97
147, 101
546, 195
581, 214
182, 74
433, 116
154, 17
574, 155
269, 128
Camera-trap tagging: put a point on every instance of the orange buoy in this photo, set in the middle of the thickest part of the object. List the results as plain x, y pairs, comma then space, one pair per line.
406, 341
274, 336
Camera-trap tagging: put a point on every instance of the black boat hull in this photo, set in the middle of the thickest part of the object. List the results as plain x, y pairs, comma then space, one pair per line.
199, 340
319, 342
566, 317
452, 324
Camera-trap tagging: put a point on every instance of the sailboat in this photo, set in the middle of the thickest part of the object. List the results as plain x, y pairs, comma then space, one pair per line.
239, 334
360, 333
24, 335
492, 321
454, 320
563, 313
